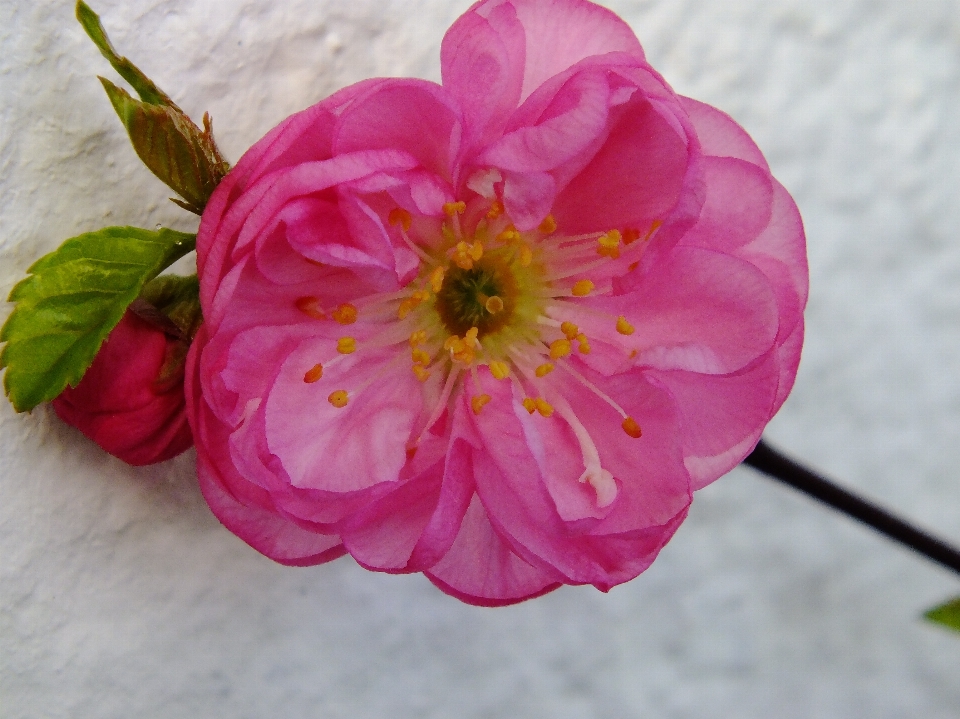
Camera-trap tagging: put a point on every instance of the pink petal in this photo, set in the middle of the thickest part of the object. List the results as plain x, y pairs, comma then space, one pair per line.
480, 569
528, 198
414, 116
720, 135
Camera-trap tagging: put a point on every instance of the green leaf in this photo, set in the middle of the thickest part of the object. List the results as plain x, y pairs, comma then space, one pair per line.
170, 144
144, 86
71, 300
947, 615
175, 298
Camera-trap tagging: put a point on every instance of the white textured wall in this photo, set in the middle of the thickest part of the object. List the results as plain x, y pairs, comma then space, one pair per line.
121, 596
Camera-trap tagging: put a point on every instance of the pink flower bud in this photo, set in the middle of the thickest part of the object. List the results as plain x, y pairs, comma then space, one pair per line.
130, 402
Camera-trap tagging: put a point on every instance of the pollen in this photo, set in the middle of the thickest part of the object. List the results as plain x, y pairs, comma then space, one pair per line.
499, 370
346, 345
570, 330
345, 314
496, 209
418, 338
543, 407
608, 244
582, 288
583, 344
548, 226
631, 427
478, 402
436, 279
408, 306
454, 208
624, 327
313, 374
464, 254
399, 216
510, 234
420, 357
630, 235
530, 404
526, 256
544, 369
560, 349
339, 398
421, 373
471, 337
493, 305
310, 306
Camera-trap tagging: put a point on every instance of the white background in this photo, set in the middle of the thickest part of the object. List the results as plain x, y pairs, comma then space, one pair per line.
122, 596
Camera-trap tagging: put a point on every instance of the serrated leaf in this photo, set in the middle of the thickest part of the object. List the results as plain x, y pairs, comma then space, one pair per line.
947, 615
71, 300
170, 144
177, 299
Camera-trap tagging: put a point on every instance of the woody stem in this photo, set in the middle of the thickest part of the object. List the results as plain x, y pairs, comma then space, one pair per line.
769, 461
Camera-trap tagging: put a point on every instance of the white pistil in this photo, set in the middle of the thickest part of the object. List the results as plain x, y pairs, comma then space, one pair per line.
593, 473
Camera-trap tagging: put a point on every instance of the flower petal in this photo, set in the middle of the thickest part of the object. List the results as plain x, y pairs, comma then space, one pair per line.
720, 135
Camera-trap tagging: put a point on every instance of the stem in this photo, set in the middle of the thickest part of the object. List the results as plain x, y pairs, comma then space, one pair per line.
769, 461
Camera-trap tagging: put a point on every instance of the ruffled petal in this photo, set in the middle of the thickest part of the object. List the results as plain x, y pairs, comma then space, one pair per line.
481, 569
720, 135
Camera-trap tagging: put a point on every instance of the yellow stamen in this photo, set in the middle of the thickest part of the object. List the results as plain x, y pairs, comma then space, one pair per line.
560, 349
478, 402
421, 373
418, 338
543, 407
493, 305
310, 306
346, 345
630, 235
454, 208
530, 405
420, 357
436, 279
313, 374
584, 344
544, 369
345, 314
399, 216
570, 330
631, 427
496, 209
548, 226
608, 245
476, 250
582, 288
624, 327
464, 255
471, 337
499, 370
526, 256
408, 306
338, 399
510, 234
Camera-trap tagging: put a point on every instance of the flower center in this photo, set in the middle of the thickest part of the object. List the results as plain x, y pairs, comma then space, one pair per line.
485, 297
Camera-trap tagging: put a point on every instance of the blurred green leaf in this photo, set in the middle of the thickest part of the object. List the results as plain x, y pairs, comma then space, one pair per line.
947, 615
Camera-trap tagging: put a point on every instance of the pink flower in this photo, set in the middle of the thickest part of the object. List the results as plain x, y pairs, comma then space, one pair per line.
124, 403
497, 330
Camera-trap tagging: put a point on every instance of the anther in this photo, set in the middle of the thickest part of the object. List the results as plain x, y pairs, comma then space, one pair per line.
338, 398
582, 288
345, 314
608, 244
454, 208
346, 345
548, 226
560, 349
496, 209
420, 357
510, 234
630, 235
499, 370
624, 327
526, 256
478, 402
399, 216
584, 344
310, 306
470, 338
544, 369
570, 330
493, 305
421, 373
631, 427
530, 405
418, 338
408, 306
543, 407
436, 279
464, 255
313, 374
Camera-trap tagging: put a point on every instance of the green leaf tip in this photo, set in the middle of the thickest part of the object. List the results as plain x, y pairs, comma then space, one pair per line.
946, 615
71, 300
144, 86
170, 144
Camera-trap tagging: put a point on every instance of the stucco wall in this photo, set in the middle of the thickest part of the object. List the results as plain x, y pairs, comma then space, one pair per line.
122, 596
